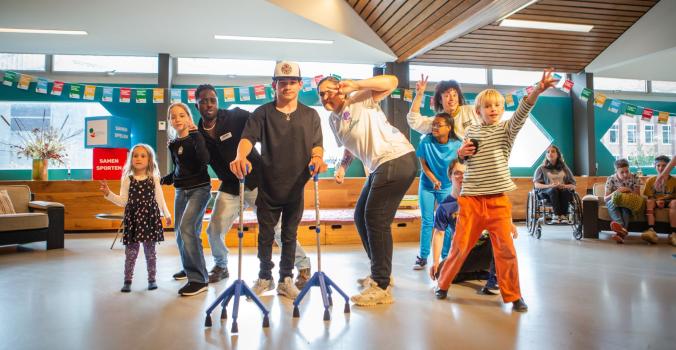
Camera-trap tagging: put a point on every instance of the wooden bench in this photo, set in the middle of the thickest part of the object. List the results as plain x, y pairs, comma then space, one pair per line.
337, 227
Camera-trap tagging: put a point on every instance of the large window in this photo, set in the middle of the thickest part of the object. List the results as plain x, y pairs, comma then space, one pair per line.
631, 134
648, 134
613, 134
33, 115
517, 77
22, 62
117, 64
614, 84
439, 73
221, 66
664, 86
638, 140
666, 134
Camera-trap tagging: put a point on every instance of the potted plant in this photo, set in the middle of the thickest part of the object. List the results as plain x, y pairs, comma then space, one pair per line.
42, 145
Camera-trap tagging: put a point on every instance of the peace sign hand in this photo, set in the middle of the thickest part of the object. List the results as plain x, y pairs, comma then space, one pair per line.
421, 85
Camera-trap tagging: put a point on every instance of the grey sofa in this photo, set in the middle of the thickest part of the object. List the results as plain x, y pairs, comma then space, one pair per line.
34, 221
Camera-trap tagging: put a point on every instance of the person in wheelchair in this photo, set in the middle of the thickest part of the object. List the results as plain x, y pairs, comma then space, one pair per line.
555, 182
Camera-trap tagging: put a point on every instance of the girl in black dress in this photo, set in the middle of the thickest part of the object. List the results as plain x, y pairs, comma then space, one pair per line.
142, 198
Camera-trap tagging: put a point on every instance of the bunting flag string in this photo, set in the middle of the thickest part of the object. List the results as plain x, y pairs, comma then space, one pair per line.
156, 95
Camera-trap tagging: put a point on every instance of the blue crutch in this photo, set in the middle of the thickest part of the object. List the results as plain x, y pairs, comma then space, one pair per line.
239, 287
320, 279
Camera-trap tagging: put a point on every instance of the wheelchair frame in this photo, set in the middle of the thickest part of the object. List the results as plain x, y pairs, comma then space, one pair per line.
540, 210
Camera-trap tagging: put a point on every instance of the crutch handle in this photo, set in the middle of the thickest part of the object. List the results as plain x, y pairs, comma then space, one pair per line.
315, 177
242, 179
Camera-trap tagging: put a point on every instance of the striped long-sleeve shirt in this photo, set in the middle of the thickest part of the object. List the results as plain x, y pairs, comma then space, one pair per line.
488, 170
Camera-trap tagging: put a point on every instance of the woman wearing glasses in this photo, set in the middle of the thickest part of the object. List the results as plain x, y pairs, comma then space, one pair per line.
447, 98
435, 152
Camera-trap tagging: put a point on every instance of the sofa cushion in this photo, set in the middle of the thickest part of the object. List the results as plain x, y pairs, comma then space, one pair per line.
20, 195
6, 206
661, 215
23, 221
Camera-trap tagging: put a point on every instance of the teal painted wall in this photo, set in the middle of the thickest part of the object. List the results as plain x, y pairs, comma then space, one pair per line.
142, 118
552, 114
605, 119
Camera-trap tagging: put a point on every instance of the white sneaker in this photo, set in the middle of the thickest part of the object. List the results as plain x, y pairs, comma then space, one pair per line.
367, 281
262, 285
288, 288
672, 239
373, 295
649, 236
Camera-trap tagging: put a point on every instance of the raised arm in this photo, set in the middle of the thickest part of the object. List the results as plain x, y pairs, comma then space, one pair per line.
664, 175
377, 87
415, 120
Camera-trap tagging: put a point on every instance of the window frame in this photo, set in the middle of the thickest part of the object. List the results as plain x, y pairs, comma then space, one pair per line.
645, 134
116, 73
662, 129
45, 62
616, 129
635, 129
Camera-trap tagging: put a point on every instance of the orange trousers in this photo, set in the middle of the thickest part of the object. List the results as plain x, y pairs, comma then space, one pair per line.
478, 213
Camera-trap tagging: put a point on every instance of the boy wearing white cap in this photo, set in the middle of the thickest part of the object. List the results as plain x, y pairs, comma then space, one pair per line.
290, 134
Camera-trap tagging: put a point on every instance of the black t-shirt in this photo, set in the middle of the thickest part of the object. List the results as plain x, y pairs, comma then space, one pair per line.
223, 149
190, 157
286, 147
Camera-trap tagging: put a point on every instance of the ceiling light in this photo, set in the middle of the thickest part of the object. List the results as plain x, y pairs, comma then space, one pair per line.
517, 23
42, 31
284, 40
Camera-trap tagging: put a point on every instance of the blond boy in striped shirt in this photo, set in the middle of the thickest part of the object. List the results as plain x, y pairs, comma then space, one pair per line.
483, 203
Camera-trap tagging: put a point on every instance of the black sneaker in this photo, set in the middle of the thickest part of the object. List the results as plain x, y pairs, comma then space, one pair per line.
193, 288
181, 275
126, 287
440, 293
519, 306
420, 263
152, 285
218, 273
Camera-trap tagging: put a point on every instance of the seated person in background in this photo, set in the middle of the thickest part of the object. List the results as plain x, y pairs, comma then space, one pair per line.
660, 198
622, 182
445, 217
554, 181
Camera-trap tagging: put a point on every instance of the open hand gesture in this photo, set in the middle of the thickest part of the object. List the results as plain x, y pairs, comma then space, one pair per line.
104, 187
547, 81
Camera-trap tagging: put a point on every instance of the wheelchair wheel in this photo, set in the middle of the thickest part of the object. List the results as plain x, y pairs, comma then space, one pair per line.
538, 231
576, 223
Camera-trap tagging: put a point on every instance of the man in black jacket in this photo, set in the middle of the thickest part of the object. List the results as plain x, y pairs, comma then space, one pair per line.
222, 130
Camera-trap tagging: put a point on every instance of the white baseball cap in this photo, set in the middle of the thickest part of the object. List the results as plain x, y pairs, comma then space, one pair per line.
287, 69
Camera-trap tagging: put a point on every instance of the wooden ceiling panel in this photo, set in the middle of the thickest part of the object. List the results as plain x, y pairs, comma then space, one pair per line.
523, 48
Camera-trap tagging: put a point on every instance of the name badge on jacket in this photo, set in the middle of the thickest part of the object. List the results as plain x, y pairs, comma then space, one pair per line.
226, 136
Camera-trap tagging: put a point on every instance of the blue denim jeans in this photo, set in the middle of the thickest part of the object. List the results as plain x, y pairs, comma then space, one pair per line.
428, 200
226, 211
620, 215
189, 207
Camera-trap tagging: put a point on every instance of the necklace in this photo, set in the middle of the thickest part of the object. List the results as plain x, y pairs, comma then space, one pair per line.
208, 129
286, 115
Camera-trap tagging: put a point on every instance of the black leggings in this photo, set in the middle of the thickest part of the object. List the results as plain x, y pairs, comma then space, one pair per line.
375, 211
559, 198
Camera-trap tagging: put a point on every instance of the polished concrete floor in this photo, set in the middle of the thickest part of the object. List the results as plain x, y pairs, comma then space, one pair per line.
582, 295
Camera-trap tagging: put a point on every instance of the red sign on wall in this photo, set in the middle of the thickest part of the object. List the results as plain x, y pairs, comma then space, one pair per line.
108, 163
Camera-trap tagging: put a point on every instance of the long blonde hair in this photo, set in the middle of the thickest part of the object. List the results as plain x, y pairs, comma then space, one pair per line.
152, 170
171, 132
